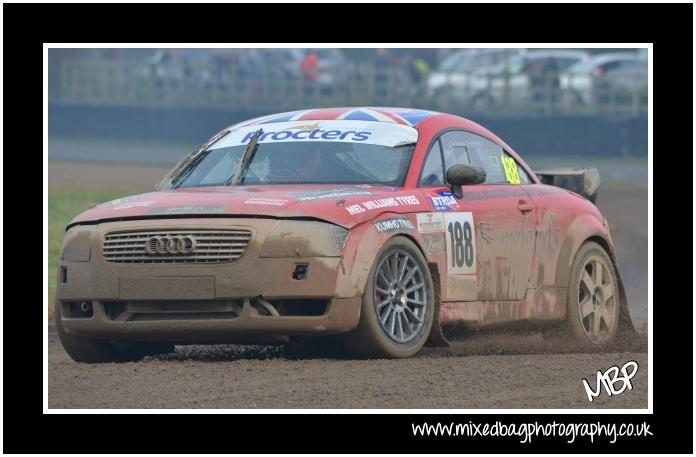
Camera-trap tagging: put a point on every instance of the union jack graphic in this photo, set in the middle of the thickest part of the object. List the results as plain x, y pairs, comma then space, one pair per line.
393, 115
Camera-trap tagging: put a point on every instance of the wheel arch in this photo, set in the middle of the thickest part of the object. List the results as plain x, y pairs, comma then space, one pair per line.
569, 250
583, 229
625, 324
409, 237
366, 243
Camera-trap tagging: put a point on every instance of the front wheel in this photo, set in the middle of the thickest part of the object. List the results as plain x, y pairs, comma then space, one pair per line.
398, 304
593, 298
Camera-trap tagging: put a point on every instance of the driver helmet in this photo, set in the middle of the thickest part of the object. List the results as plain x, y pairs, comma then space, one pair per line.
293, 164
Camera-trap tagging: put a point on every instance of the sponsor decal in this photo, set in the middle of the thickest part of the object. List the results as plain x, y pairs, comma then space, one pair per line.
388, 202
339, 130
266, 201
355, 209
134, 204
434, 244
486, 229
186, 209
304, 127
305, 134
430, 222
321, 194
443, 201
392, 225
545, 238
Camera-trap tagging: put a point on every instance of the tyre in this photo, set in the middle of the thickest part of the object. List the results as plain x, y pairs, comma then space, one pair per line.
592, 314
398, 304
90, 350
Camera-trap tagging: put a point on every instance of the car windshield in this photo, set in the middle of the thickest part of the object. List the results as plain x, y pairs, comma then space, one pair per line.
451, 61
487, 61
309, 162
583, 67
586, 66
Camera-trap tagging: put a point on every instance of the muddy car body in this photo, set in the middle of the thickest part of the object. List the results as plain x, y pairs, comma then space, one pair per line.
420, 220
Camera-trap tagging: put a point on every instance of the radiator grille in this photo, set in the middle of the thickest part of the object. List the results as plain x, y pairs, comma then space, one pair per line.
199, 246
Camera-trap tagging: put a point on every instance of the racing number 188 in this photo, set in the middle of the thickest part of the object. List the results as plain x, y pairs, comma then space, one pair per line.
461, 244
460, 237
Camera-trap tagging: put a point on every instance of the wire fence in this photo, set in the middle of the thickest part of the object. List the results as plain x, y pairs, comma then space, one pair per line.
213, 85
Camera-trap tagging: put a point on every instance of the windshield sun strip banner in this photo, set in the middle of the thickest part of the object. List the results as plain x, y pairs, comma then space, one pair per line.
382, 134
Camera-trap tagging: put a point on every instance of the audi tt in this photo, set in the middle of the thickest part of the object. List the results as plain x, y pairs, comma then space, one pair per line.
376, 227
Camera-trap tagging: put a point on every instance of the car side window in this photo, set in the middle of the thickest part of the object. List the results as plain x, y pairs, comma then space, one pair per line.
500, 166
433, 171
489, 156
469, 148
461, 147
454, 147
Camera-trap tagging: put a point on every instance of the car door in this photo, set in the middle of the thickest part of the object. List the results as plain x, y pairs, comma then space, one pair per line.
489, 233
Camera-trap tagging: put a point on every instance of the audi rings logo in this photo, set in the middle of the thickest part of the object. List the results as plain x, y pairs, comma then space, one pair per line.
176, 245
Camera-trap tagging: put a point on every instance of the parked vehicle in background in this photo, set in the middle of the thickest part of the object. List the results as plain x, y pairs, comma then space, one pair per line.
502, 80
580, 82
453, 75
623, 82
528, 77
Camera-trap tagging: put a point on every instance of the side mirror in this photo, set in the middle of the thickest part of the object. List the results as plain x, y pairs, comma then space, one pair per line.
459, 175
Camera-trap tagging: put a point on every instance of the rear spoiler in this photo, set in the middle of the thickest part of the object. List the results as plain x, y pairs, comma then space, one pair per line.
582, 181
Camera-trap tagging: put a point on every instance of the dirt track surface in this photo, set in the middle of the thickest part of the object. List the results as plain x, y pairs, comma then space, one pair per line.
477, 373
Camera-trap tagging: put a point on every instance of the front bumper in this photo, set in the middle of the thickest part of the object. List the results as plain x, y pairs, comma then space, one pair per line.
249, 326
199, 286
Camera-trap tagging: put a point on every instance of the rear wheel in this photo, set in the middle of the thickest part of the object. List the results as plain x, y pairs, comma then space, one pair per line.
398, 304
593, 298
90, 350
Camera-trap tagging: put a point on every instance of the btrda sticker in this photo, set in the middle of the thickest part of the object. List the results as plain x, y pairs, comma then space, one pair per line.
444, 201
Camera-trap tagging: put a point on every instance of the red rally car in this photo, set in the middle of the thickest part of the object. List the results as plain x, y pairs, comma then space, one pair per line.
379, 225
